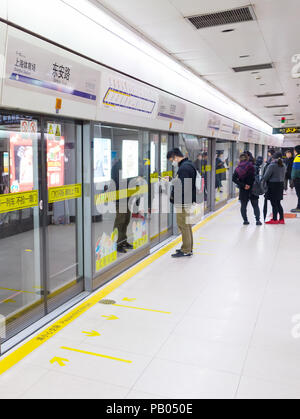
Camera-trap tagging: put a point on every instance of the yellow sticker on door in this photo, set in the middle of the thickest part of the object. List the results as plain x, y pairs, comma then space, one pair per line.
18, 201
64, 193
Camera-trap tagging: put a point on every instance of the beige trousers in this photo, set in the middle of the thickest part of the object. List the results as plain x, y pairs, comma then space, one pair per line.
186, 231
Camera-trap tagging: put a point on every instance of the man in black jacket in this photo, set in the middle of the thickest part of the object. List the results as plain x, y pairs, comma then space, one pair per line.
183, 196
289, 161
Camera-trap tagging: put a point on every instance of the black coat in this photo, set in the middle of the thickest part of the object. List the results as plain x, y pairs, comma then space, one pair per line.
188, 195
249, 180
289, 167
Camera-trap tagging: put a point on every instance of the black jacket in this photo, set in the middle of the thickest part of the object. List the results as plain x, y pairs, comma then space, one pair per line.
249, 180
289, 167
188, 194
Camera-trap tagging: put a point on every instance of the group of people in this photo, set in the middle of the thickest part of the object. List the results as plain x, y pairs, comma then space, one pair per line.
277, 174
252, 176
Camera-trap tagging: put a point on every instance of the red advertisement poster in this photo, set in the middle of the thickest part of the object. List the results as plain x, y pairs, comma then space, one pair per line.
56, 161
21, 164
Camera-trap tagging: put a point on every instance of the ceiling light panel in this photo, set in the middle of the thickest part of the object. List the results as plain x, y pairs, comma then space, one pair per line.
269, 95
253, 68
276, 106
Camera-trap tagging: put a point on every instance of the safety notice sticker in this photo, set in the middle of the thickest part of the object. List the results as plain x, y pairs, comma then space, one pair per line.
18, 201
64, 193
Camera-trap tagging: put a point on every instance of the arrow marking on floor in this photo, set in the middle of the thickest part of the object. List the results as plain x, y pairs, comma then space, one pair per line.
92, 334
59, 361
143, 309
98, 355
111, 317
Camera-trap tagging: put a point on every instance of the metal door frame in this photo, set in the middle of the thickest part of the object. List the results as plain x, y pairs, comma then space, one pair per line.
44, 201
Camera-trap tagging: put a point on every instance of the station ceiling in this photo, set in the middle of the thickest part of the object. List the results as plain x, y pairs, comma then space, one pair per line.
269, 36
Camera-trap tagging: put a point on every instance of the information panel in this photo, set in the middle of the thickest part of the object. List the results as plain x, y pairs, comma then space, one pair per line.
37, 68
286, 130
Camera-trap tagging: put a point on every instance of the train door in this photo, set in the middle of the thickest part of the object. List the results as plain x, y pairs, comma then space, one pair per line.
40, 218
63, 211
160, 209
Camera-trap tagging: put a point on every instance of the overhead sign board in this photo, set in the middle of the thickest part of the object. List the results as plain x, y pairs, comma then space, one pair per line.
37, 69
286, 130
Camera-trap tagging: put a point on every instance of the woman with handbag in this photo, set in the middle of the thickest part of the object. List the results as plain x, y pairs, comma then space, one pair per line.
244, 178
275, 176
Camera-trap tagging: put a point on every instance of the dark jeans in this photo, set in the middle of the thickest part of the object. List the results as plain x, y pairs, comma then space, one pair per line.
277, 209
286, 184
244, 204
297, 187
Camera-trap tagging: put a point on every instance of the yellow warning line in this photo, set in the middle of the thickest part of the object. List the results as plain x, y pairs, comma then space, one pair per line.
9, 289
143, 309
98, 355
27, 348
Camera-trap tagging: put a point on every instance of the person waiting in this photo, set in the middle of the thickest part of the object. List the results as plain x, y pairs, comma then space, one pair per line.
274, 176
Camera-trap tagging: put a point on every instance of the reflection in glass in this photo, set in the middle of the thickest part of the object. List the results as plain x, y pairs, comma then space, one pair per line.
20, 278
120, 194
64, 215
223, 164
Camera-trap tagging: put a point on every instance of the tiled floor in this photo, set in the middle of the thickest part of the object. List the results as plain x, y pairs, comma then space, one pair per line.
229, 334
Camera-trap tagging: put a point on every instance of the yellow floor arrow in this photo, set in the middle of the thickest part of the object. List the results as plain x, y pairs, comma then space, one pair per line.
92, 334
59, 361
111, 317
129, 300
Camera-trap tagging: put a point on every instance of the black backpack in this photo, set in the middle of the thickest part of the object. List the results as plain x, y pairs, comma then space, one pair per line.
259, 187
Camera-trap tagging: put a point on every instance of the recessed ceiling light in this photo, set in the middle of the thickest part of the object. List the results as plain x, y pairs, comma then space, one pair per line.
284, 114
253, 68
269, 95
228, 30
276, 106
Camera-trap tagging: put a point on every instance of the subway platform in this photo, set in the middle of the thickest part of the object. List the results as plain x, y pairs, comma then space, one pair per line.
222, 324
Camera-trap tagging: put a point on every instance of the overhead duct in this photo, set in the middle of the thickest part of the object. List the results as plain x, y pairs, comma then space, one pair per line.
226, 17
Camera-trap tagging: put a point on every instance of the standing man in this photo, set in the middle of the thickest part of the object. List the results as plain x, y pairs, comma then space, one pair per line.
289, 161
185, 183
296, 176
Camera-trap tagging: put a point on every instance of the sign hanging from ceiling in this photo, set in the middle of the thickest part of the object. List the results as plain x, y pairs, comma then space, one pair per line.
286, 130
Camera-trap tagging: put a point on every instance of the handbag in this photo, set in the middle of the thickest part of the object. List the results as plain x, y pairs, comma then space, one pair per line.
195, 213
260, 187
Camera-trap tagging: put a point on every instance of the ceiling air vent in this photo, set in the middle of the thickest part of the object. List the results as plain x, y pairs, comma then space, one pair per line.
269, 95
227, 17
253, 67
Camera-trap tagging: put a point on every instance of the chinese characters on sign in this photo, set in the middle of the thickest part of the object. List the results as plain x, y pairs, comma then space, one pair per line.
18, 201
22, 63
65, 193
39, 67
287, 130
61, 72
